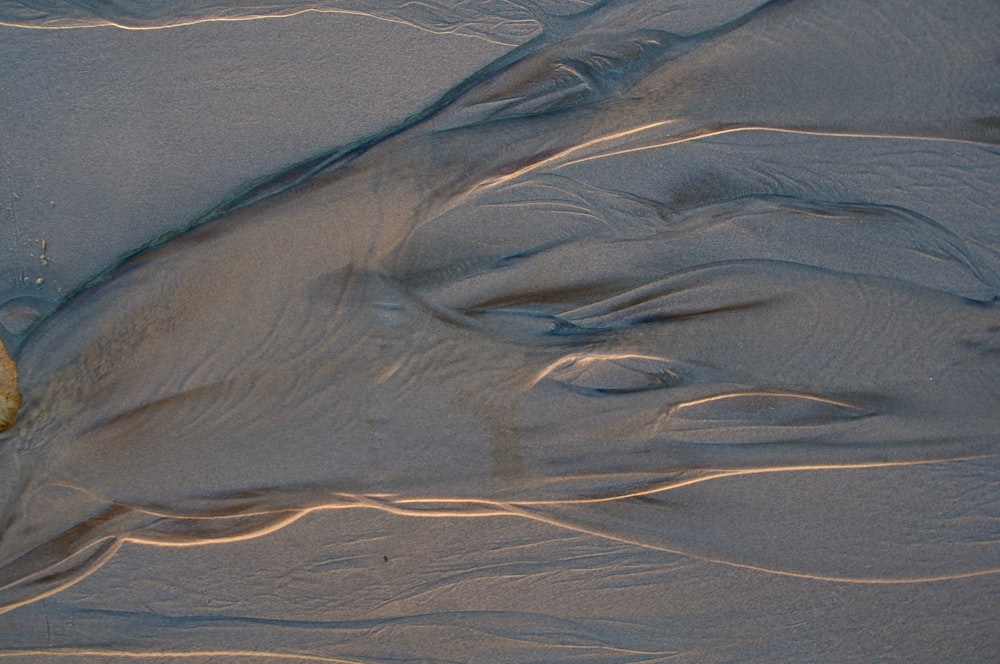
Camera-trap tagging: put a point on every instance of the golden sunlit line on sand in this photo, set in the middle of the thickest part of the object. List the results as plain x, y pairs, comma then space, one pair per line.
554, 159
277, 525
587, 359
111, 549
561, 159
100, 22
255, 654
759, 568
709, 475
757, 393
480, 508
134, 654
734, 130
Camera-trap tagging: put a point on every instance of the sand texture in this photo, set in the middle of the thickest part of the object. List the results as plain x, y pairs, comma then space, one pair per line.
10, 395
518, 331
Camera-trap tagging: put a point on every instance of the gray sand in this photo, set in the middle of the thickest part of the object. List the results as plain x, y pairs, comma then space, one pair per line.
692, 357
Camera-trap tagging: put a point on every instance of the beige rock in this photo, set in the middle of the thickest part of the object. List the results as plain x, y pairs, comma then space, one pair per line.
10, 396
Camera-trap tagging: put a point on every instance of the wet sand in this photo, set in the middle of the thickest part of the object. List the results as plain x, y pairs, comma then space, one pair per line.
630, 347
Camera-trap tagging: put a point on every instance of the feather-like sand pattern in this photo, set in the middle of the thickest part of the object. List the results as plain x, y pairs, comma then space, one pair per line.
423, 324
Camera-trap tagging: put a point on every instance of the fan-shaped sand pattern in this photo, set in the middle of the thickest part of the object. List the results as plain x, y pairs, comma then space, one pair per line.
424, 324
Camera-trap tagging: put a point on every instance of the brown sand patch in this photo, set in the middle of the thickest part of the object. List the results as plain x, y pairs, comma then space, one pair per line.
10, 396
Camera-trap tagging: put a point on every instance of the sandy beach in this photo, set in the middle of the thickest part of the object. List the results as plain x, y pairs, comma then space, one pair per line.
523, 332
